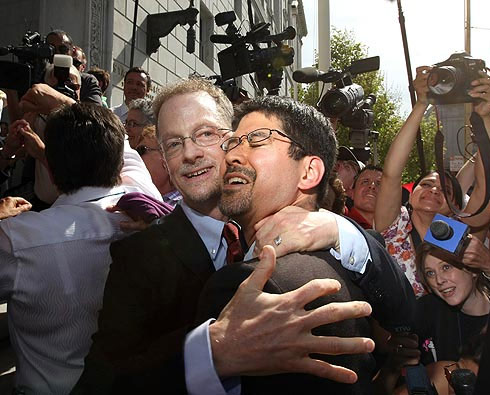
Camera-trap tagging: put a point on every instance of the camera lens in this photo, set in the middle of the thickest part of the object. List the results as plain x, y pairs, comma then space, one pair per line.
338, 102
442, 80
334, 104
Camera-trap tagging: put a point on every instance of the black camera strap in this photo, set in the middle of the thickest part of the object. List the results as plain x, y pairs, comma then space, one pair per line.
481, 139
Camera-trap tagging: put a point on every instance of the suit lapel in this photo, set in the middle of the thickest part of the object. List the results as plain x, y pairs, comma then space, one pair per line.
186, 243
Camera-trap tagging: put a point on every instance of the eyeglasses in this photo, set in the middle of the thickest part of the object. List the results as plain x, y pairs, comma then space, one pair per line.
143, 149
202, 137
255, 138
133, 124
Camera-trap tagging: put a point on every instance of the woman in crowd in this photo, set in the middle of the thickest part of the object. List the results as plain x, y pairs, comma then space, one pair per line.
404, 227
449, 318
457, 307
149, 149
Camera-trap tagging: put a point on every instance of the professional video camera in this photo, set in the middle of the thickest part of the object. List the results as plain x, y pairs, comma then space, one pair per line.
267, 63
32, 55
450, 81
346, 102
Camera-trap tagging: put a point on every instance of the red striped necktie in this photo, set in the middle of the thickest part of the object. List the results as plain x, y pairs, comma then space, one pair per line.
234, 253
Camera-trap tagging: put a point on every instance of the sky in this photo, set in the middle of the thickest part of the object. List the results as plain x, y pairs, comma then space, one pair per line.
435, 30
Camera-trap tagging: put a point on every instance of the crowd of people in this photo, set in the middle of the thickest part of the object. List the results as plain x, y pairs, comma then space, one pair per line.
188, 245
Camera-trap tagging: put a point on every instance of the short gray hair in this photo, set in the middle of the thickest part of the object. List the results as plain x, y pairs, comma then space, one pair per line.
146, 108
195, 85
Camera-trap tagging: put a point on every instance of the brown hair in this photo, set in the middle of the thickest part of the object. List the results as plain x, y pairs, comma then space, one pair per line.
84, 147
140, 70
102, 76
425, 249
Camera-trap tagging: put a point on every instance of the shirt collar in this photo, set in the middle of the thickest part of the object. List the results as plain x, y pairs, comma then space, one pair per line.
87, 194
209, 229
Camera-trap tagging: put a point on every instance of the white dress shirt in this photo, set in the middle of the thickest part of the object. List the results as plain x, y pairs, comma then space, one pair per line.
53, 268
121, 111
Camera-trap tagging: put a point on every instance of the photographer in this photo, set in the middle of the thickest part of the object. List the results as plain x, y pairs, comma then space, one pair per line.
402, 227
44, 189
63, 44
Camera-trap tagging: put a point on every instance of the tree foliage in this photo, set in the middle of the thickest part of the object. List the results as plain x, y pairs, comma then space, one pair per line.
387, 113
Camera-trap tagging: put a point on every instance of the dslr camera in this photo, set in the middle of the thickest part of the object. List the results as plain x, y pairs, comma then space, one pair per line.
450, 81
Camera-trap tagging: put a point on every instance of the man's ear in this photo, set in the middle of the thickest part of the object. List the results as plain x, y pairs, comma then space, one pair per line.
312, 174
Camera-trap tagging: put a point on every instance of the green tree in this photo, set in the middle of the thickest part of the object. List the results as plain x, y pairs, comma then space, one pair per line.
387, 114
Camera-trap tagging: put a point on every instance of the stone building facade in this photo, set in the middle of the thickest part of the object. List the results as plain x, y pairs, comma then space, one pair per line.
104, 29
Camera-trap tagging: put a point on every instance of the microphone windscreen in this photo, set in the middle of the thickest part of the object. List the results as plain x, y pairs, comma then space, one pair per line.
306, 75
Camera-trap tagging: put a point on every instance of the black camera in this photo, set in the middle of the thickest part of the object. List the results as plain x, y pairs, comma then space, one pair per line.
450, 81
418, 382
229, 87
33, 56
463, 381
61, 71
346, 101
245, 55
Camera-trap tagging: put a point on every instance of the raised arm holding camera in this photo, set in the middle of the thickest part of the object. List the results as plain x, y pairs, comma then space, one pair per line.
458, 306
395, 221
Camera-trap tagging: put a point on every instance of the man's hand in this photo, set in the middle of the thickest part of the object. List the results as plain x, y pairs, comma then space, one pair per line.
134, 225
14, 140
12, 206
43, 99
481, 90
32, 143
404, 351
298, 229
259, 333
420, 84
476, 255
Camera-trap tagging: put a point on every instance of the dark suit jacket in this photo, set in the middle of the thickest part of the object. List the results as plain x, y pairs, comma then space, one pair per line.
383, 285
90, 91
150, 301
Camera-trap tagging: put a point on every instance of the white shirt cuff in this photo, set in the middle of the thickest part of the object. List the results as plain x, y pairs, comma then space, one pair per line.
354, 251
200, 376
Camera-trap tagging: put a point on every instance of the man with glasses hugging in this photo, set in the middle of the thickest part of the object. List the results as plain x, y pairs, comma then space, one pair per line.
281, 154
151, 295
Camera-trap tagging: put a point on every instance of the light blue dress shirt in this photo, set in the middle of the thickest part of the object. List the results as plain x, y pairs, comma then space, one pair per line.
200, 375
